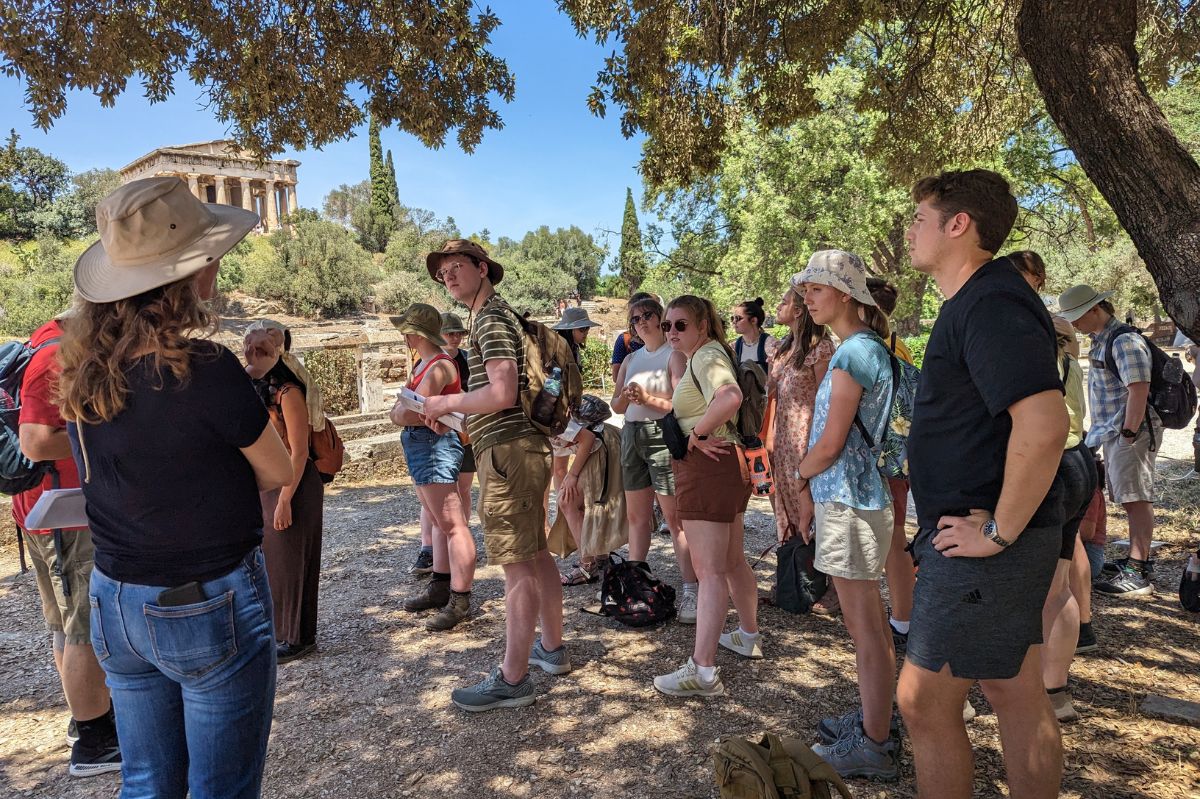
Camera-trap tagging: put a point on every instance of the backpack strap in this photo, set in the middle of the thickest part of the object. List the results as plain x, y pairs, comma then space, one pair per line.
762, 350
737, 346
1110, 365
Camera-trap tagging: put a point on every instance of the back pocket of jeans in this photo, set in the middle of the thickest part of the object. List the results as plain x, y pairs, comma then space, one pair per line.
192, 640
97, 630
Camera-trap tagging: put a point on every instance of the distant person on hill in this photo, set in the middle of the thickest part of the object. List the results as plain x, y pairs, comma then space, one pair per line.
174, 446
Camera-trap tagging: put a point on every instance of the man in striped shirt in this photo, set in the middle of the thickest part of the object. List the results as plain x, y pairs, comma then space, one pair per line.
513, 460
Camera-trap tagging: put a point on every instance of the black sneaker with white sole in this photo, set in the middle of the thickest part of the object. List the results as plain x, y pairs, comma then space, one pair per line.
1126, 582
87, 761
423, 564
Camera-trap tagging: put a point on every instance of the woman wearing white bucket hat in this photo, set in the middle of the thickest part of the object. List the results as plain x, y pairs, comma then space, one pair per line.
174, 445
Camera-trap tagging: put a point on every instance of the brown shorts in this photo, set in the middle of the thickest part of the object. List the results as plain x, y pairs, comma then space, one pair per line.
69, 615
513, 477
711, 491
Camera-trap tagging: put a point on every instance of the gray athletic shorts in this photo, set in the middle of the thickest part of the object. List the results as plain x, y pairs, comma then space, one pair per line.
981, 615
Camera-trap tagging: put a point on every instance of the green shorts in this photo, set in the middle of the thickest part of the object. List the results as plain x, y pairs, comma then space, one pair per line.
69, 615
645, 461
513, 476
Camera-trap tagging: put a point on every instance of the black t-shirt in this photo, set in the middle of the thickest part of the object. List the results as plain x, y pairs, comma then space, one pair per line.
993, 344
171, 498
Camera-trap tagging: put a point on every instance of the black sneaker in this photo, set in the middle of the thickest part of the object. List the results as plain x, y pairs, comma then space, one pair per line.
91, 761
72, 732
423, 564
1087, 639
899, 639
1111, 567
1126, 582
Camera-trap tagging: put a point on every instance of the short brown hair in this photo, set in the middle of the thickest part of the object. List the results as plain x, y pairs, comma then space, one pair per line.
983, 195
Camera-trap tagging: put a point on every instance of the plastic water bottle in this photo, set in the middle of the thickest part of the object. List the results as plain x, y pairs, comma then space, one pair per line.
543, 408
760, 471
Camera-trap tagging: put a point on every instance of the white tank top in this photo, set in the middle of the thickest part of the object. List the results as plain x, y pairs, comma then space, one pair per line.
648, 370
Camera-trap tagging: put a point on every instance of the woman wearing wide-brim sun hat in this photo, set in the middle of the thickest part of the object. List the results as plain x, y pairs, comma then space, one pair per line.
434, 460
174, 445
573, 327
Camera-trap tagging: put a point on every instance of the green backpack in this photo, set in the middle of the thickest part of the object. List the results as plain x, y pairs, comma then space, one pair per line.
775, 768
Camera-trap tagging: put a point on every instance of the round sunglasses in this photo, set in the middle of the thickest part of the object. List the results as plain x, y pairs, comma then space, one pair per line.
637, 319
680, 326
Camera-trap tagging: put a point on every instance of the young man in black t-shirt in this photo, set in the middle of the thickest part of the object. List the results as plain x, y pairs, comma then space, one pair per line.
988, 429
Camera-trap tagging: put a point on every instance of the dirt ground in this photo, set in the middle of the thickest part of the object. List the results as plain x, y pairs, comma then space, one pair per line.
369, 715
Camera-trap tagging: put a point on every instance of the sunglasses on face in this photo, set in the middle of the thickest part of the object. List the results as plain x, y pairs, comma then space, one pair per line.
736, 319
637, 319
680, 326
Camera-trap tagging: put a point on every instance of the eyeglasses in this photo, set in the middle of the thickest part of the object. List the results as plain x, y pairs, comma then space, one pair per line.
446, 272
736, 319
637, 319
680, 326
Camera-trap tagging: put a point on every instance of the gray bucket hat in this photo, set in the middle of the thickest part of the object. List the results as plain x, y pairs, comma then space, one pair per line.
1078, 300
575, 318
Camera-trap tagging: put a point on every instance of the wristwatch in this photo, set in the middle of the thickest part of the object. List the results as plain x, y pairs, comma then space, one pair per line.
1127, 433
989, 532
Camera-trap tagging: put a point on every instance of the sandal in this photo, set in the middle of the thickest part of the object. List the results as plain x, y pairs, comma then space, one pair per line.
581, 574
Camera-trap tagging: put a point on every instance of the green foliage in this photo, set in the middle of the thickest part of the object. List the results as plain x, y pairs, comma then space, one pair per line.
916, 345
33, 194
254, 267
609, 286
36, 283
328, 274
567, 250
344, 203
531, 285
336, 372
398, 291
376, 221
631, 260
595, 361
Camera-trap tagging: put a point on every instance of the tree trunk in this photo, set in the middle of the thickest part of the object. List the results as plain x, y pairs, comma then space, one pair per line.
889, 259
1084, 60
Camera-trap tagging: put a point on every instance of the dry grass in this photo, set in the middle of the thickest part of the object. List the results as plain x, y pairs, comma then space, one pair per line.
369, 716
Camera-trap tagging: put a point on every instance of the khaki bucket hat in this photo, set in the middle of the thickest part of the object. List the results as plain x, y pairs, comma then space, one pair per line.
421, 320
153, 232
839, 269
452, 323
464, 247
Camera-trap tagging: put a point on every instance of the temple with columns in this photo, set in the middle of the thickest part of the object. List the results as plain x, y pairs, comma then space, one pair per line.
221, 172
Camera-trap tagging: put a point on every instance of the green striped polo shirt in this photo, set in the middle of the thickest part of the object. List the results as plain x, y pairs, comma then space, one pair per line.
497, 335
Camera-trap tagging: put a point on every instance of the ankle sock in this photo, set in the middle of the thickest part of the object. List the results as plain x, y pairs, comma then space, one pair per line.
749, 637
441, 577
691, 588
706, 673
427, 548
899, 626
1085, 626
1138, 566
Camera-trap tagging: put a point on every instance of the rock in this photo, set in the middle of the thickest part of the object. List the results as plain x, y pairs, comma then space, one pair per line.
1177, 710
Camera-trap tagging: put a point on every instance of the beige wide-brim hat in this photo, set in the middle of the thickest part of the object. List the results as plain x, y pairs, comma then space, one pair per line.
839, 269
575, 318
421, 320
1078, 300
153, 232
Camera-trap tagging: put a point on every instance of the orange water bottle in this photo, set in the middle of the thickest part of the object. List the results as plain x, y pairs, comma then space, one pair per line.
759, 464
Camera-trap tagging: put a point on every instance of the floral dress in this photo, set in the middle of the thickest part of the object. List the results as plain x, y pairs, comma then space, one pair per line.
795, 392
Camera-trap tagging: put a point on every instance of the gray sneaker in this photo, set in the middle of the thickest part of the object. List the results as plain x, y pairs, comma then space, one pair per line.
687, 608
831, 729
856, 755
494, 693
551, 662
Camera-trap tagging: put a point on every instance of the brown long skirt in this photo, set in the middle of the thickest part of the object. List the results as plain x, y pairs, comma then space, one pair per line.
294, 559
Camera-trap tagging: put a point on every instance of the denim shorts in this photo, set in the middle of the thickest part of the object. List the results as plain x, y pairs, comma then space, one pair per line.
432, 458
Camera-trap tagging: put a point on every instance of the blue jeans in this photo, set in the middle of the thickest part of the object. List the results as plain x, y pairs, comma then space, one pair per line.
193, 686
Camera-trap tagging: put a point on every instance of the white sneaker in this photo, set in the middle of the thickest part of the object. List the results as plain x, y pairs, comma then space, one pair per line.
736, 642
687, 608
686, 682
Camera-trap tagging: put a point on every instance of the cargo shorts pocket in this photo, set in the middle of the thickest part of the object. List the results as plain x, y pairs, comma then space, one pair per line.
512, 528
193, 640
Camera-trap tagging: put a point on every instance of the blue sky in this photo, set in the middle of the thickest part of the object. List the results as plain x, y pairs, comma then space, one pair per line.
552, 164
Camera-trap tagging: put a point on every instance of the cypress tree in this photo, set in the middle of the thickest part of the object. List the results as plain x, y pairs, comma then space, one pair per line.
631, 260
393, 190
382, 220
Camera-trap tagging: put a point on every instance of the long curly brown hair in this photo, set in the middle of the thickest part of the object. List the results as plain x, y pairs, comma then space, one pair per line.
101, 340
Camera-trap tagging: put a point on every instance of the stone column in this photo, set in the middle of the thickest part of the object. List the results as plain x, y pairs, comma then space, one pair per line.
194, 185
370, 384
222, 191
293, 203
247, 197
272, 208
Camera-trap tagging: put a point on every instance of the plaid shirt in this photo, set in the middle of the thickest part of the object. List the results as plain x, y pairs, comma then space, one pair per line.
1108, 392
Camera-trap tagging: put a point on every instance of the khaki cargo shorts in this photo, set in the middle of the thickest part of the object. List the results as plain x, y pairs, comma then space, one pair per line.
852, 543
69, 615
513, 476
1129, 467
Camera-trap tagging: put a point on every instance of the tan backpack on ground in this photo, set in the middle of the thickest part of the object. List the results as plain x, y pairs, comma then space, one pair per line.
775, 768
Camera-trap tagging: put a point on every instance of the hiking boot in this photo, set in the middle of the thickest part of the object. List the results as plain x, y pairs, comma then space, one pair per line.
423, 564
1126, 583
856, 755
494, 692
435, 595
736, 642
685, 681
89, 761
831, 729
1064, 711
899, 639
555, 661
286, 652
968, 711
456, 609
72, 732
1087, 639
687, 608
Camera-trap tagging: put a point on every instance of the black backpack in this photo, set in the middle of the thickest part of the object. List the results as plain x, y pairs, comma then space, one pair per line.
633, 596
798, 584
1172, 392
17, 473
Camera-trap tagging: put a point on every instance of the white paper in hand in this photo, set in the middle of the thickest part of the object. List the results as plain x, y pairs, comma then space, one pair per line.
58, 509
414, 402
